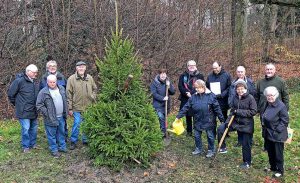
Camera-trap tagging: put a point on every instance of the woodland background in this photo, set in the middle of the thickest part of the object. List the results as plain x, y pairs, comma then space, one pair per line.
166, 33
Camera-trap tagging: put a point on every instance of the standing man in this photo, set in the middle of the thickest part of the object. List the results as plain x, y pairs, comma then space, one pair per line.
241, 76
22, 94
219, 82
81, 91
51, 67
271, 79
186, 88
52, 103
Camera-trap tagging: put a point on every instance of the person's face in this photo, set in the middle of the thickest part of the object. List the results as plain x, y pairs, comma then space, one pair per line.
270, 97
241, 73
240, 90
163, 76
52, 68
192, 67
199, 89
81, 69
269, 71
32, 74
216, 68
52, 83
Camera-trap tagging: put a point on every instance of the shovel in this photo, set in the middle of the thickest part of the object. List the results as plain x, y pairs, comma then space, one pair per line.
167, 140
221, 142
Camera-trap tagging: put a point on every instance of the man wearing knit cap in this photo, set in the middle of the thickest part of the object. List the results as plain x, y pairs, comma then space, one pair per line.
186, 88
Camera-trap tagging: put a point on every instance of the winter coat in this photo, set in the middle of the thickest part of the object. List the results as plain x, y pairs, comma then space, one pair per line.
158, 91
244, 109
61, 80
275, 81
46, 107
275, 121
22, 93
80, 92
186, 84
225, 81
250, 87
205, 108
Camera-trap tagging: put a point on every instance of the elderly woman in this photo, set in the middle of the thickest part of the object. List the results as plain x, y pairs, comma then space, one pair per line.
204, 106
275, 121
158, 90
244, 108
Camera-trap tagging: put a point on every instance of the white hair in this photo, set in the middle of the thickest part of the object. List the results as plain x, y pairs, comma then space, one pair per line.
270, 65
240, 68
32, 68
51, 77
271, 90
51, 62
191, 62
200, 83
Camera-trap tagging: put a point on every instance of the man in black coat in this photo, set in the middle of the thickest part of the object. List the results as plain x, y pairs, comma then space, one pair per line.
23, 94
186, 88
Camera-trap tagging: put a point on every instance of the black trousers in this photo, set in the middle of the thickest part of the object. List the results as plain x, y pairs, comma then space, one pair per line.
189, 124
275, 153
246, 139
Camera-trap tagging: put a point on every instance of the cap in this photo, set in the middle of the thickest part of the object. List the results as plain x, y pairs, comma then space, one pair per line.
80, 63
240, 81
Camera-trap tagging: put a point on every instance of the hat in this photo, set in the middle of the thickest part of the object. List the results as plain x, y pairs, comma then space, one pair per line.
240, 81
80, 63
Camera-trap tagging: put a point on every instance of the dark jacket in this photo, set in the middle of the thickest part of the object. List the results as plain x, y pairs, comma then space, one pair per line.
275, 122
250, 87
22, 93
225, 81
275, 81
158, 91
61, 80
204, 107
46, 107
186, 84
244, 108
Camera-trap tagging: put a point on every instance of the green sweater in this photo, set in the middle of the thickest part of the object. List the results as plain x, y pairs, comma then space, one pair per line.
275, 81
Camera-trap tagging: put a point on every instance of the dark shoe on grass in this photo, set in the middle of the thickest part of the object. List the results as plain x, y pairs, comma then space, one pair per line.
55, 154
72, 146
245, 166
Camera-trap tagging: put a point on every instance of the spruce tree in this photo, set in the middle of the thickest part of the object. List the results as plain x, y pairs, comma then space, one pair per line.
122, 127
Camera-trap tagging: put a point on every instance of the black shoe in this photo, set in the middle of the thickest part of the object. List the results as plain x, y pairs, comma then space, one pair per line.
85, 143
56, 154
189, 134
72, 146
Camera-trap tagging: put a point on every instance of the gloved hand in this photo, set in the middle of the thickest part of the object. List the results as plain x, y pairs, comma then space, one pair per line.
219, 96
166, 98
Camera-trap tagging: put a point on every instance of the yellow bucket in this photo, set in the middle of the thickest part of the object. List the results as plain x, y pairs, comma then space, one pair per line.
178, 127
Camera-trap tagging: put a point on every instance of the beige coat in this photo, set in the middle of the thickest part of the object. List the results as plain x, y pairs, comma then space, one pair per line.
80, 92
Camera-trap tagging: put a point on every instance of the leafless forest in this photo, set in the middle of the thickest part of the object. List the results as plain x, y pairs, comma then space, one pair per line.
166, 33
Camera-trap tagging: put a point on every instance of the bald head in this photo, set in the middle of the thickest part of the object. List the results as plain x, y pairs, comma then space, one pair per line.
241, 72
216, 67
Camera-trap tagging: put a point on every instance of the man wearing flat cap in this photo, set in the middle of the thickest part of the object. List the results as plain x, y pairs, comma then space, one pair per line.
81, 91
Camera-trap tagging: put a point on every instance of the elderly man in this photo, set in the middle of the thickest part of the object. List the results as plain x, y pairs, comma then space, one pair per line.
81, 91
51, 67
22, 94
241, 75
271, 79
52, 103
186, 88
219, 82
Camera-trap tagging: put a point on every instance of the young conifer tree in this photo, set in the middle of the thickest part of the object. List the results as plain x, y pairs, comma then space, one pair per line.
122, 127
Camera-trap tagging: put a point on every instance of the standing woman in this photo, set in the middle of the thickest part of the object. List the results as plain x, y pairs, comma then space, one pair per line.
204, 106
158, 90
275, 121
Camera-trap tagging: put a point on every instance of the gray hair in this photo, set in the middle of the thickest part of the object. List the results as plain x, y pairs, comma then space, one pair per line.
51, 77
51, 62
271, 90
32, 68
241, 68
271, 65
191, 62
200, 83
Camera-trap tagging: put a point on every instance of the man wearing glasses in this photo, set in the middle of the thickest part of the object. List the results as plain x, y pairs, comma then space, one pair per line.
22, 94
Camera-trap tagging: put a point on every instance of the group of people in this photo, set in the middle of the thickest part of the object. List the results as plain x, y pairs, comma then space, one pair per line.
222, 97
55, 98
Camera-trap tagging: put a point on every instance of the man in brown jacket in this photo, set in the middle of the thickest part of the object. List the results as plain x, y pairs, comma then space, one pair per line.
81, 91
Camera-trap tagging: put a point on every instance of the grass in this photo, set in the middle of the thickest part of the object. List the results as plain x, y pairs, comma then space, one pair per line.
40, 166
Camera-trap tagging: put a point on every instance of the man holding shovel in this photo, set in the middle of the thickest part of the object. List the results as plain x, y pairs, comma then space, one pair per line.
161, 88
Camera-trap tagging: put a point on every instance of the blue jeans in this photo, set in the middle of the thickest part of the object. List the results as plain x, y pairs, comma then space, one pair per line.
76, 128
28, 132
162, 122
210, 139
56, 136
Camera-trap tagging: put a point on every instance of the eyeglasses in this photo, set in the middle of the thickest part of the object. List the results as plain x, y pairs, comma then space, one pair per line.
52, 65
270, 95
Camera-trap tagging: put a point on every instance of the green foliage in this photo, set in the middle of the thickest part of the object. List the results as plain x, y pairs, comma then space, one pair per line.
293, 84
122, 126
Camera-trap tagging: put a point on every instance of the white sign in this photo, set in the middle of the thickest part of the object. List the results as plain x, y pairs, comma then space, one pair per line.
215, 87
